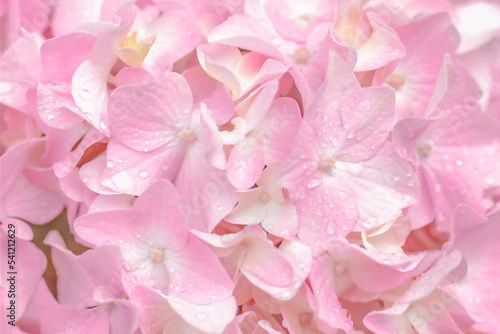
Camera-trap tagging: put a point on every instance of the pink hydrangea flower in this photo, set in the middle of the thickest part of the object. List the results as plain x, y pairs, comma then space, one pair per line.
157, 249
341, 163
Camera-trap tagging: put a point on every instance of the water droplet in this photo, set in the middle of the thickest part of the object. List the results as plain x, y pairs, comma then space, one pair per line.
143, 174
110, 164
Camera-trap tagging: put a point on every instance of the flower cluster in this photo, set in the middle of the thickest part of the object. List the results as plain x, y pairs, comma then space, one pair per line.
251, 166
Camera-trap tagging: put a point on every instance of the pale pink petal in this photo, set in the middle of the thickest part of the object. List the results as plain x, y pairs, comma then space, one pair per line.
280, 219
19, 197
132, 76
300, 258
161, 205
415, 75
57, 108
196, 274
210, 92
477, 240
71, 14
29, 265
383, 186
159, 313
246, 32
170, 47
245, 163
117, 228
62, 55
212, 318
325, 211
209, 196
263, 265
249, 210
299, 166
279, 128
367, 118
124, 317
165, 109
329, 312
90, 92
171, 315
220, 62
382, 47
131, 172
111, 202
79, 276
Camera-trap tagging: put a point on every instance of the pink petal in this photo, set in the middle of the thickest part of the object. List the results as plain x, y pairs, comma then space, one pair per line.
209, 196
79, 276
62, 55
245, 163
19, 197
161, 205
382, 47
383, 186
210, 92
57, 108
245, 32
169, 47
131, 172
279, 128
132, 76
264, 266
249, 210
329, 312
90, 92
280, 219
196, 274
367, 118
29, 265
118, 228
165, 110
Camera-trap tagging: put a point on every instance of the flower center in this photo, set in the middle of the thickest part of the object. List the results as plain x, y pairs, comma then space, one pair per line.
264, 198
307, 320
134, 51
156, 255
301, 55
396, 81
340, 269
326, 163
424, 150
187, 136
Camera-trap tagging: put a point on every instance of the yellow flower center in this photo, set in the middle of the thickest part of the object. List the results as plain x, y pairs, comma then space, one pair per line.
156, 255
134, 51
326, 163
187, 136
